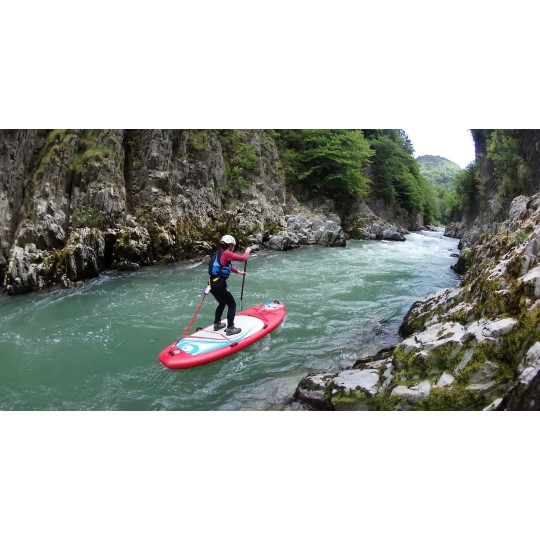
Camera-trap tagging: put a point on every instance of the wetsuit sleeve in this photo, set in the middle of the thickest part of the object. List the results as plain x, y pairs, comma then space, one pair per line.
228, 255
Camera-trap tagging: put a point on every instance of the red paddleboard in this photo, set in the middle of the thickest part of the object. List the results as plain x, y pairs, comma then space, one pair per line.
207, 345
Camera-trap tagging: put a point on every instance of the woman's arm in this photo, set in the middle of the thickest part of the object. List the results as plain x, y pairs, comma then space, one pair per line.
229, 255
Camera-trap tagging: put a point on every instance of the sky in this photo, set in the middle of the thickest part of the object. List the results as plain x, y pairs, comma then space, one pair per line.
455, 144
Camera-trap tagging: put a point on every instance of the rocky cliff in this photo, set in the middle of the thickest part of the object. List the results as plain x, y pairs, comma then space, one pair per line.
76, 202
507, 165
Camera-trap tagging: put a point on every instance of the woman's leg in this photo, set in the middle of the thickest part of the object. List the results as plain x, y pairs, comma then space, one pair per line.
219, 312
231, 311
218, 292
225, 298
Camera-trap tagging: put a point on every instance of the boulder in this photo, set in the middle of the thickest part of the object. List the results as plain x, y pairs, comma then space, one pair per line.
413, 393
337, 390
283, 241
445, 380
312, 229
434, 336
357, 379
22, 274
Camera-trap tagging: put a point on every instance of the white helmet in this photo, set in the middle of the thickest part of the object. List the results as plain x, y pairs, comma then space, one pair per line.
228, 239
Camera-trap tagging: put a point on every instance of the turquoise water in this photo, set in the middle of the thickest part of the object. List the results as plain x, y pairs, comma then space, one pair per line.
96, 347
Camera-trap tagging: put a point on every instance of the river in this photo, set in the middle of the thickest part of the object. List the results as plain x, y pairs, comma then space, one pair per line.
95, 347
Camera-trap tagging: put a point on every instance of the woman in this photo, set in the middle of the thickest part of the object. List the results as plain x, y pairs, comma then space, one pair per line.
220, 269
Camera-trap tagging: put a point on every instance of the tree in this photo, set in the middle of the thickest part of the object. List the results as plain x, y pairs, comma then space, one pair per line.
328, 161
396, 174
439, 170
441, 173
470, 191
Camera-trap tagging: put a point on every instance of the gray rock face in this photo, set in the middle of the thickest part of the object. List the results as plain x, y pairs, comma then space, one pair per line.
157, 192
379, 230
132, 248
525, 394
328, 233
16, 148
85, 254
30, 269
368, 225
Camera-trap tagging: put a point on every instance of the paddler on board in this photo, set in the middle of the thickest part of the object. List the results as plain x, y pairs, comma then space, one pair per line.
220, 269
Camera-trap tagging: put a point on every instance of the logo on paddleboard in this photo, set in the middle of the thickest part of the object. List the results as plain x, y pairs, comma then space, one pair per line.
190, 348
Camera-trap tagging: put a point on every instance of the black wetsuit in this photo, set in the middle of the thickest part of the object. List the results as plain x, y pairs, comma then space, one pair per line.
219, 290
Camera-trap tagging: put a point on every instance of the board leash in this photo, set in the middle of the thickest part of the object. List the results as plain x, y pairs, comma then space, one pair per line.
206, 291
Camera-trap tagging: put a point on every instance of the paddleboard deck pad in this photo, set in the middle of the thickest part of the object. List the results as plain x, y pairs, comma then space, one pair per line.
207, 345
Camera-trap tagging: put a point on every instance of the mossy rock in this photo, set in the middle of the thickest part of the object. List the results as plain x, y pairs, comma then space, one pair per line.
454, 398
350, 400
464, 261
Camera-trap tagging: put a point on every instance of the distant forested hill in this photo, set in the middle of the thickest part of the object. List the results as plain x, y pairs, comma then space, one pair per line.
438, 169
443, 175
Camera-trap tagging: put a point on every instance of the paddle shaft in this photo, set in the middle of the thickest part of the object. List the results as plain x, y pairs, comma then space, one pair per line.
243, 280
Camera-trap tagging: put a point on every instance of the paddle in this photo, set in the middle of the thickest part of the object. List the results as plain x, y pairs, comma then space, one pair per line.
242, 291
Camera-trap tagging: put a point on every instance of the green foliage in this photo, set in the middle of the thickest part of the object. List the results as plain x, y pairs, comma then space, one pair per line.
241, 159
88, 217
442, 173
455, 398
410, 367
383, 402
396, 175
523, 335
468, 187
91, 151
508, 165
521, 236
349, 400
437, 169
449, 204
340, 163
78, 151
197, 140
330, 162
56, 149
430, 206
505, 173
